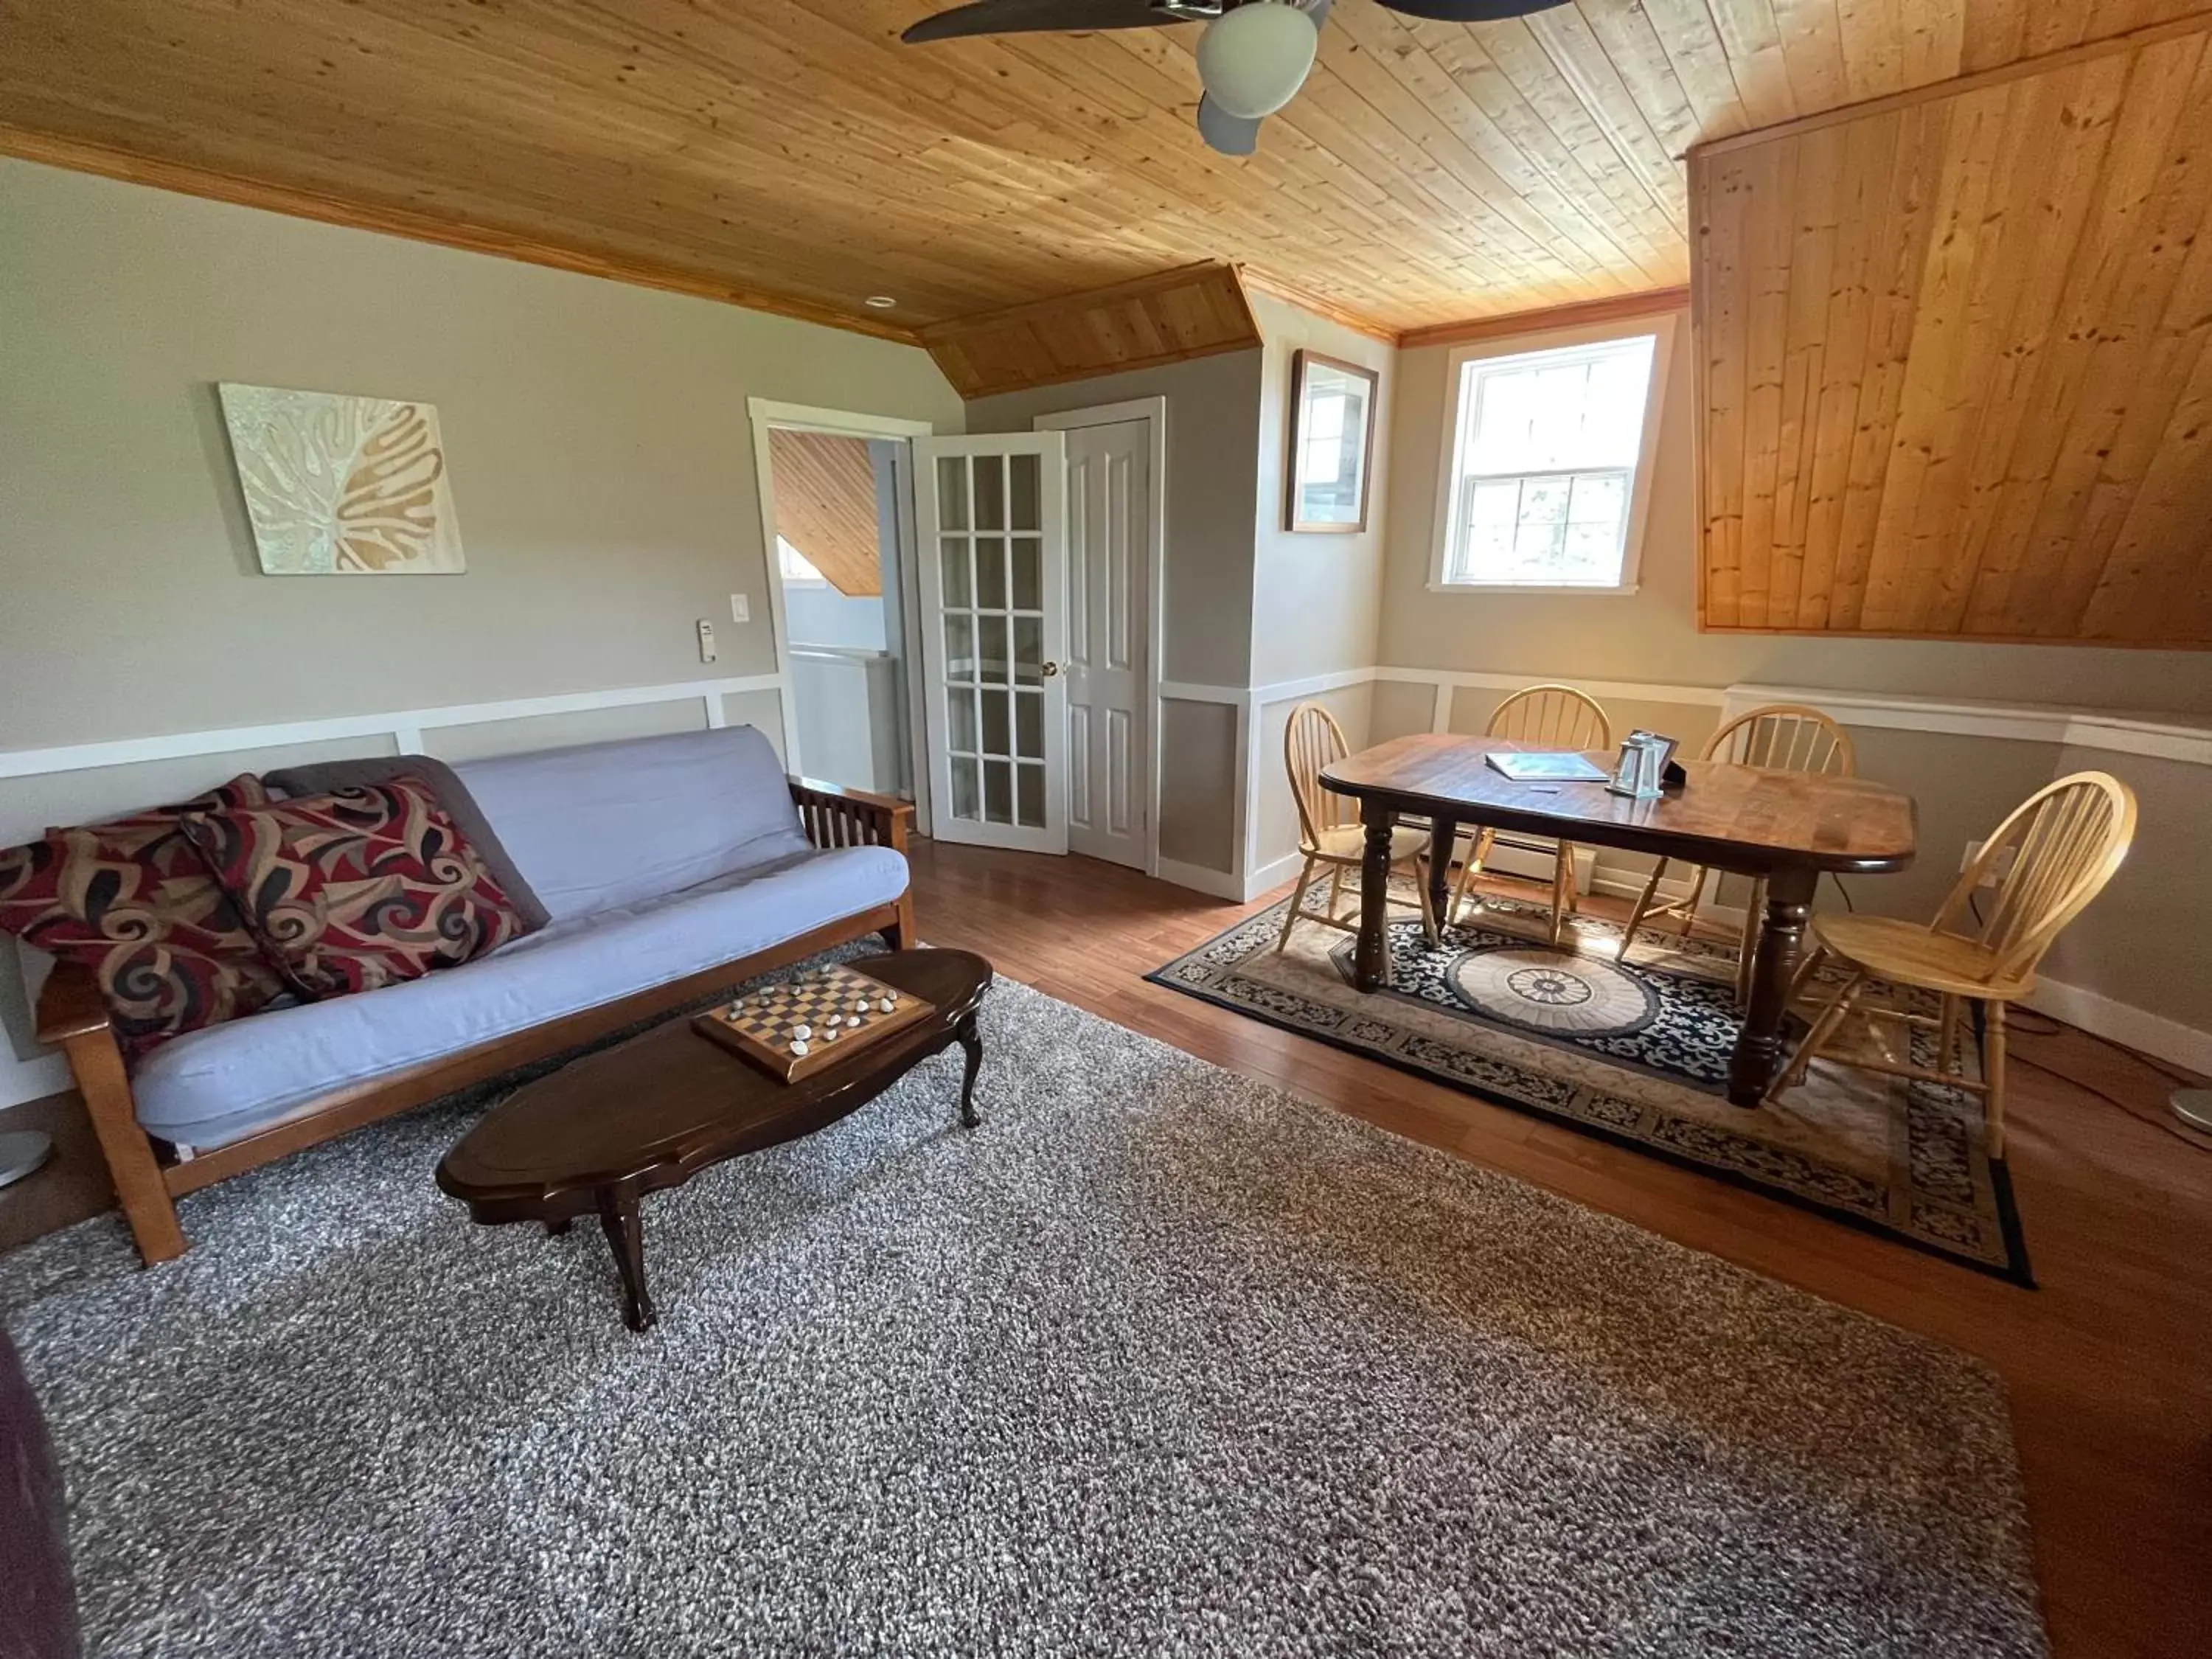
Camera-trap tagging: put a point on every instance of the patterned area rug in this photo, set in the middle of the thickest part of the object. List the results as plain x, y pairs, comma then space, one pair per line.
1634, 1051
1158, 1362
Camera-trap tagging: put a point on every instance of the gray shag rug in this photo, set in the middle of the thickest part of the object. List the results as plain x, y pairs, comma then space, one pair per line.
1158, 1361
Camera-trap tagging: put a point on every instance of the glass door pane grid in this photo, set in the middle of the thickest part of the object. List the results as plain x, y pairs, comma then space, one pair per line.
992, 547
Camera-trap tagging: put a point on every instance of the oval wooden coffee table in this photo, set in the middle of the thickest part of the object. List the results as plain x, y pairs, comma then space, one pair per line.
598, 1135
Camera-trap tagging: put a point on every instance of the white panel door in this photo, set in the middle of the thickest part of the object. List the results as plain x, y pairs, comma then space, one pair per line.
992, 516
1109, 565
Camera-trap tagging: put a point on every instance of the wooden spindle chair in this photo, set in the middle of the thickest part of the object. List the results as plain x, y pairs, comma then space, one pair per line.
1330, 834
1785, 737
1551, 717
2030, 878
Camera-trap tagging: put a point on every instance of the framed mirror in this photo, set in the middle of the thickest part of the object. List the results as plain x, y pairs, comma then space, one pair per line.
1332, 435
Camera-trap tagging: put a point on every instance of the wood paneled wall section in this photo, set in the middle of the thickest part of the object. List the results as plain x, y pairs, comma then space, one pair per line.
1952, 360
825, 506
1193, 310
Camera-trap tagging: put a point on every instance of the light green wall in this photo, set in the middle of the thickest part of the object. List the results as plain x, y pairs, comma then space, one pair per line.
597, 434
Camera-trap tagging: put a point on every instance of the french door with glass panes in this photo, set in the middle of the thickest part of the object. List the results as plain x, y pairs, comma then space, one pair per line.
991, 518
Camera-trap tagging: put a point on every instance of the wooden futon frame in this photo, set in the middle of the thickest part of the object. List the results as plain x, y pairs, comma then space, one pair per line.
149, 1179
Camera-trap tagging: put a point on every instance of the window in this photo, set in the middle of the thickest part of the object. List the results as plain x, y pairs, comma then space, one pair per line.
1544, 485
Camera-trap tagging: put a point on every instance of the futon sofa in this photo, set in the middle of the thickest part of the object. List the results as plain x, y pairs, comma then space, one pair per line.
667, 868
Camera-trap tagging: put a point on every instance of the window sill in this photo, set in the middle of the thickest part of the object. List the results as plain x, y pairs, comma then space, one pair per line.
1587, 590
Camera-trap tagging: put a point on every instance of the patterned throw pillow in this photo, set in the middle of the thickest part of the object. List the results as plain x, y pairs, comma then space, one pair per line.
356, 889
134, 903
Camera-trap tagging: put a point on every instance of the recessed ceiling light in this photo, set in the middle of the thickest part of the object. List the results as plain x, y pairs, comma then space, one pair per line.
879, 301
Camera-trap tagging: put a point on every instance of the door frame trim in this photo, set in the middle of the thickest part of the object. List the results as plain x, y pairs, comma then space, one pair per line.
763, 414
1153, 411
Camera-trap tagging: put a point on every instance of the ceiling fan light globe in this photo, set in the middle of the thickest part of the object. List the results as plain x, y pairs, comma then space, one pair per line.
1253, 59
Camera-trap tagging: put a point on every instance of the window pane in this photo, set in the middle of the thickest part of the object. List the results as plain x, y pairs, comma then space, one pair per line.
992, 648
1030, 783
990, 573
1028, 573
1029, 650
959, 646
998, 791
1024, 472
997, 739
1029, 723
963, 701
951, 492
990, 492
959, 594
966, 789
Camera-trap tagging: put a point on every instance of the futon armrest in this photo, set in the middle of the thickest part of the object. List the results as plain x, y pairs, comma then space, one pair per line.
70, 1005
837, 816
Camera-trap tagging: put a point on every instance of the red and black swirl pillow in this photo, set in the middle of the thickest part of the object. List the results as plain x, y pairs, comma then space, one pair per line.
356, 890
132, 900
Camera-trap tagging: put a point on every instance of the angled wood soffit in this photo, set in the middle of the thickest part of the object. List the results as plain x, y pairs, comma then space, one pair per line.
1954, 363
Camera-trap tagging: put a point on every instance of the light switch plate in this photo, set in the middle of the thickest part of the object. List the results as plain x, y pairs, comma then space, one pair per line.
705, 640
741, 608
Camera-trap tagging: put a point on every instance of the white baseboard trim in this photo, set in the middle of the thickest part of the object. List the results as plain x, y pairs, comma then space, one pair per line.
2130, 1027
32, 1080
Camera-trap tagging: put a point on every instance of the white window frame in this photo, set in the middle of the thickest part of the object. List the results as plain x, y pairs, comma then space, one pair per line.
1662, 327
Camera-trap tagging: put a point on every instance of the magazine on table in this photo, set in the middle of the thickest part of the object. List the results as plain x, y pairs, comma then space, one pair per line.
1554, 767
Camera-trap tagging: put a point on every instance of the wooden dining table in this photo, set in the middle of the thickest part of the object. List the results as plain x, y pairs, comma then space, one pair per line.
1788, 827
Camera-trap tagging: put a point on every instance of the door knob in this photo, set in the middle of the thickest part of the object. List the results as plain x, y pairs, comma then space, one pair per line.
1049, 670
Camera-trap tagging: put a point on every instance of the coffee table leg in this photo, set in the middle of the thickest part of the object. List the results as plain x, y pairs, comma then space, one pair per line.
626, 1238
971, 1040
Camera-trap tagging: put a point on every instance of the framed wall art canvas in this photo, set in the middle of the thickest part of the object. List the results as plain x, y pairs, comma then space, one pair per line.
343, 486
1332, 437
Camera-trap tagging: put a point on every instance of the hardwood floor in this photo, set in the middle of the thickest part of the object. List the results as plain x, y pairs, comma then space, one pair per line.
2107, 1364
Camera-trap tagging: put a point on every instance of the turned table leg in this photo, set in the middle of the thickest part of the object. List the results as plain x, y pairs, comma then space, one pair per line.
971, 1042
1370, 968
1759, 1046
626, 1238
1443, 833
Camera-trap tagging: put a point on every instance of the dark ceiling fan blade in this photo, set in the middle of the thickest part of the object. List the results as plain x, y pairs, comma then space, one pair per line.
1233, 135
1471, 11
1028, 16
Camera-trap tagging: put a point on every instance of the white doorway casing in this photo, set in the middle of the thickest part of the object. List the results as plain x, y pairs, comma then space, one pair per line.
1116, 492
766, 415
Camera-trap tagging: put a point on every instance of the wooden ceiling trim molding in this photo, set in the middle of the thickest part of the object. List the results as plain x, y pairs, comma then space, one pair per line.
414, 225
1170, 317
1259, 282
1584, 313
1954, 366
825, 506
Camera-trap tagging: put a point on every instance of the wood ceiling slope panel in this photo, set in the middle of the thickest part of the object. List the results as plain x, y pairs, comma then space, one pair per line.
1955, 359
1196, 312
825, 506
794, 154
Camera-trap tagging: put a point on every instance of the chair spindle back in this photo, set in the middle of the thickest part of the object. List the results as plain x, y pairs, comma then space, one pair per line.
1312, 739
2049, 858
1785, 737
1557, 716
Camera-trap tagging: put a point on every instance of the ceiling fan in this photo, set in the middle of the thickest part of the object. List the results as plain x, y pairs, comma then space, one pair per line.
1253, 58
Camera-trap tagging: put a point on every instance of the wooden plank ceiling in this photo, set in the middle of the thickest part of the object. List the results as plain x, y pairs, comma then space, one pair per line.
825, 506
791, 154
1957, 362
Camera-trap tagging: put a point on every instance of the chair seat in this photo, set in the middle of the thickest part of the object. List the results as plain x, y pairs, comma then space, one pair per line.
1909, 953
1347, 843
